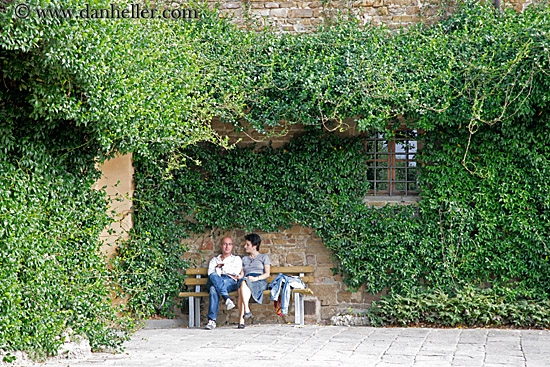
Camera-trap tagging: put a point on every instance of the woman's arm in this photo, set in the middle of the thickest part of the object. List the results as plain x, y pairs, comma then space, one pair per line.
265, 275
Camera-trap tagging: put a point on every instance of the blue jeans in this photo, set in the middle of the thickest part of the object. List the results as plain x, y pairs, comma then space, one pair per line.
218, 286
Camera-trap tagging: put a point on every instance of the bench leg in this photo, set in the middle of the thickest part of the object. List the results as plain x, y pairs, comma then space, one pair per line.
198, 312
191, 311
299, 308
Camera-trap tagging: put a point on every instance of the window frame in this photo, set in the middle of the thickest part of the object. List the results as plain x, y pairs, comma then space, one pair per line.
392, 161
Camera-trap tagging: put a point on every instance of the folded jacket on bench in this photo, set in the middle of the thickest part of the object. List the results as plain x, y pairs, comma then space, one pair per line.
281, 286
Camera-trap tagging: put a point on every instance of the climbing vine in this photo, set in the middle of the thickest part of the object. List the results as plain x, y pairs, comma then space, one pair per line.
73, 93
477, 85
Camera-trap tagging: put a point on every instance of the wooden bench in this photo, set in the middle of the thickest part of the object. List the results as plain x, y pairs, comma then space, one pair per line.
201, 277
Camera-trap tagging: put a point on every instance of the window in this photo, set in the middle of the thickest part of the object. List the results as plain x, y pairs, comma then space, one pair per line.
392, 167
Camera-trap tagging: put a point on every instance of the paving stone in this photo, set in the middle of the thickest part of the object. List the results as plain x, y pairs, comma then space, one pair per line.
315, 345
432, 364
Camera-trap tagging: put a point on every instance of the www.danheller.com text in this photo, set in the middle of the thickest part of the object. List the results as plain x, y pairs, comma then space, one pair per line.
132, 11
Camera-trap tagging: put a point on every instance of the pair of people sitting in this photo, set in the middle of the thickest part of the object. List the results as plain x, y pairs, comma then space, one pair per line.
228, 272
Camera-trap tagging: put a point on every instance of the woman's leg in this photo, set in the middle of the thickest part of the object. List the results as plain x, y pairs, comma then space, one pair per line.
240, 305
244, 298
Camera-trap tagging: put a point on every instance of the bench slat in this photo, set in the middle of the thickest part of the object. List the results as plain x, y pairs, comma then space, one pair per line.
197, 271
293, 269
266, 293
202, 281
194, 294
274, 269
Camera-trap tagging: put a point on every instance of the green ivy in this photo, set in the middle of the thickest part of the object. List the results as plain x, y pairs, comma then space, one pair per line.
239, 188
467, 230
52, 274
476, 83
469, 307
75, 92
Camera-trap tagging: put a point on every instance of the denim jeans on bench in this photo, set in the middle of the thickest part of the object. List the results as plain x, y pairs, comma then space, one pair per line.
218, 286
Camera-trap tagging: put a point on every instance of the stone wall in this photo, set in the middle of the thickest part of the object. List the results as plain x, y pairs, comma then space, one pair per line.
294, 246
304, 16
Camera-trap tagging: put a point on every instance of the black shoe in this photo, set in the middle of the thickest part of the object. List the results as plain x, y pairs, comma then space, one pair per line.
240, 326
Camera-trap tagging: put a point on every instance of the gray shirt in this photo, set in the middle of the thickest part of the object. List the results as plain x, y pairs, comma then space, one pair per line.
255, 265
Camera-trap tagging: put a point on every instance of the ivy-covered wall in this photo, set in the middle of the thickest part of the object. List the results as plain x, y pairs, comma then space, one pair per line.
74, 92
477, 85
306, 16
305, 199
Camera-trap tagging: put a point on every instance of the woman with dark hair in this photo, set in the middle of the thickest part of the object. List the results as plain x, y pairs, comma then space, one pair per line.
256, 269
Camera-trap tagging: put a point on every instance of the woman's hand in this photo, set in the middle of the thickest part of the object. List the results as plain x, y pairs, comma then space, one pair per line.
252, 279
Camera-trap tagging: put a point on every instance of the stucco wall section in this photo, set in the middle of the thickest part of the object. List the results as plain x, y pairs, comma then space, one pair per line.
117, 182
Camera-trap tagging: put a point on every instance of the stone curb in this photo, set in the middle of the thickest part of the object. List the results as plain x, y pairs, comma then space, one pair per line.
165, 323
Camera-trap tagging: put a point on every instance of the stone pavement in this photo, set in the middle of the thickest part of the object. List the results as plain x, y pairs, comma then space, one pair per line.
316, 345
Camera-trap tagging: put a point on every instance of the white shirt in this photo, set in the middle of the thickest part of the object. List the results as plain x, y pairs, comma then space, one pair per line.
232, 265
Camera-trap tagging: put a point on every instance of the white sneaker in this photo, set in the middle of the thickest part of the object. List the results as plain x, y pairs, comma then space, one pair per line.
229, 305
211, 325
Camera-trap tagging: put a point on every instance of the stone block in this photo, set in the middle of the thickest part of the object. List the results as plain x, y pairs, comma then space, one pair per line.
324, 259
413, 10
310, 260
316, 21
315, 248
328, 311
206, 245
350, 297
257, 5
299, 13
233, 6
271, 5
383, 11
326, 293
403, 18
276, 260
395, 11
315, 4
323, 272
295, 258
378, 3
366, 3
310, 307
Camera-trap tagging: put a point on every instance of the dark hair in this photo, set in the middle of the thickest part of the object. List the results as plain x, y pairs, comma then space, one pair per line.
254, 239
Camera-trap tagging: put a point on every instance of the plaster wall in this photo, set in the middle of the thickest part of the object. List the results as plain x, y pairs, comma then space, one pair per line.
117, 182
